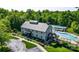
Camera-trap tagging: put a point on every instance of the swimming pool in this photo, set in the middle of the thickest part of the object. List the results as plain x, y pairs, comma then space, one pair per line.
67, 36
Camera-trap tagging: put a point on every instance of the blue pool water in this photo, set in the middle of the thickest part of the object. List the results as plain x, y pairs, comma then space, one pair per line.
67, 36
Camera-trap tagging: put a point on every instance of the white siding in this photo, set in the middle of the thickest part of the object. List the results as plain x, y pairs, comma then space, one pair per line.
40, 35
37, 34
49, 30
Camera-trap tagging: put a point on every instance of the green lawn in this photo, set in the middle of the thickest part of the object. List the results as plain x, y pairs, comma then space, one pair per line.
29, 45
58, 49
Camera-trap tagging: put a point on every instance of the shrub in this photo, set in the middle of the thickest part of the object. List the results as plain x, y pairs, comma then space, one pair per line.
5, 49
70, 30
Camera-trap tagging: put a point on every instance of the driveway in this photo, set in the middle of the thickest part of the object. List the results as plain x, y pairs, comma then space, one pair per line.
39, 46
19, 46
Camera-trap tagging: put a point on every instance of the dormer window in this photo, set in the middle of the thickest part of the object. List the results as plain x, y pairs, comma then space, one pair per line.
33, 22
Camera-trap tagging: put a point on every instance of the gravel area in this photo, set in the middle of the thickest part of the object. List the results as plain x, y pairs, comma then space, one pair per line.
19, 46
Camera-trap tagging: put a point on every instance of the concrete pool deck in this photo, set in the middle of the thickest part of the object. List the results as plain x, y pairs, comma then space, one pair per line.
68, 36
70, 41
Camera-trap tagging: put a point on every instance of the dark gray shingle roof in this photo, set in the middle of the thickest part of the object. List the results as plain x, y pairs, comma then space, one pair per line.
39, 27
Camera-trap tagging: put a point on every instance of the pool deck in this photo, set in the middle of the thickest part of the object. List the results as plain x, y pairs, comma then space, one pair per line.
78, 37
70, 41
67, 39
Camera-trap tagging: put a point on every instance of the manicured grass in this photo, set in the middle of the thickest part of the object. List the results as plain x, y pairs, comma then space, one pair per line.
29, 45
58, 49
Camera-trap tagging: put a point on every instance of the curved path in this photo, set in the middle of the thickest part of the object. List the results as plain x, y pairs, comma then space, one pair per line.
39, 46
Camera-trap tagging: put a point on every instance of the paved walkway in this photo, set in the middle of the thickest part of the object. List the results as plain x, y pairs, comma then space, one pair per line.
39, 46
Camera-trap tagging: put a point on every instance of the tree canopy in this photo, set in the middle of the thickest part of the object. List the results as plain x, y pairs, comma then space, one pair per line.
12, 20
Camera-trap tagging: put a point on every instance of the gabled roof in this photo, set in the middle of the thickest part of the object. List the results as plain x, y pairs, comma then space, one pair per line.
38, 27
57, 26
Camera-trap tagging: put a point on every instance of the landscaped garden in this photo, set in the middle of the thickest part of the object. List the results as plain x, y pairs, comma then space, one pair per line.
53, 47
